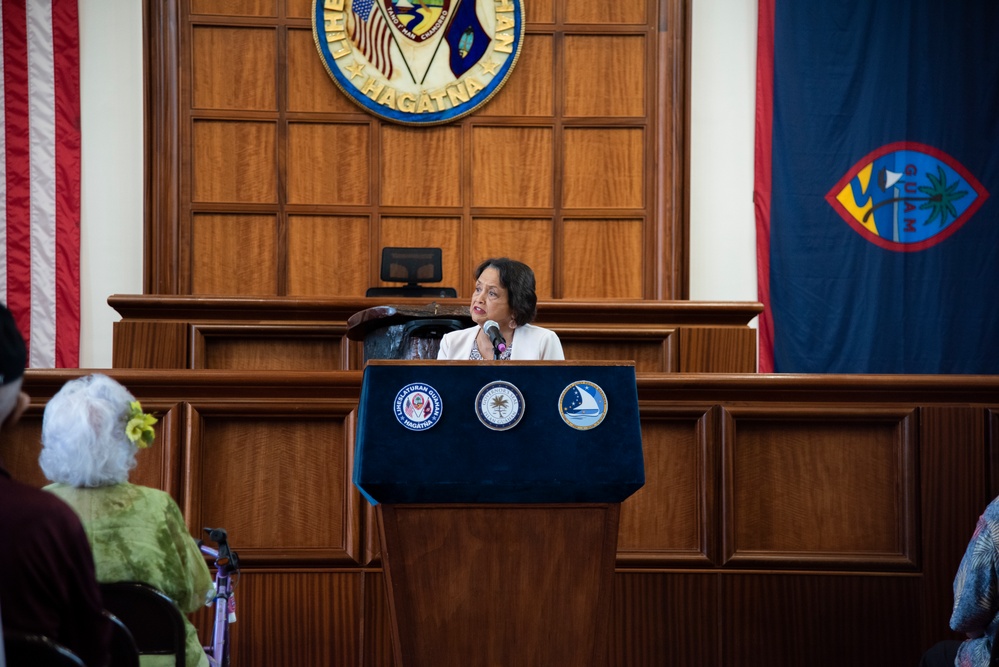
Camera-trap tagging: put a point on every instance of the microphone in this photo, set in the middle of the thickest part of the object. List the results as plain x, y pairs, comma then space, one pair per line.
493, 331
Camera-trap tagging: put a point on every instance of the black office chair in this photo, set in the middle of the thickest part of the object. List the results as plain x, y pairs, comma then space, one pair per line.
124, 652
27, 650
155, 621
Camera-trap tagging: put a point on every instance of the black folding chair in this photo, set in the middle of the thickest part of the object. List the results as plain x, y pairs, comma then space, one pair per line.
155, 621
27, 650
124, 652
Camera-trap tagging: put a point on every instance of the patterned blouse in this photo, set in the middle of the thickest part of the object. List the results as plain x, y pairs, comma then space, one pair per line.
138, 534
976, 591
477, 356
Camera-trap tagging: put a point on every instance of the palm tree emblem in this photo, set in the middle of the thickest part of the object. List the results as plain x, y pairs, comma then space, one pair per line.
499, 405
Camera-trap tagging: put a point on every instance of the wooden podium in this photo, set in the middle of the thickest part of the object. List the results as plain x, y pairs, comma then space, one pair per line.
498, 488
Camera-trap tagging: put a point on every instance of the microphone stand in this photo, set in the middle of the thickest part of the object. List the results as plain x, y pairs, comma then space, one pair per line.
496, 353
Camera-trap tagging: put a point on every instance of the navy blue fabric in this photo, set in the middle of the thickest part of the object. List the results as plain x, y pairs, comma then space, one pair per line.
460, 460
850, 77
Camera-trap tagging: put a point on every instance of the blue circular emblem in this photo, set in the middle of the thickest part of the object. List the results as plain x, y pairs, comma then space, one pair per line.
583, 405
419, 63
499, 405
418, 406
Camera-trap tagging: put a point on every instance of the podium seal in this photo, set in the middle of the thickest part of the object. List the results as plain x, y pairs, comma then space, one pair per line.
418, 406
583, 405
499, 405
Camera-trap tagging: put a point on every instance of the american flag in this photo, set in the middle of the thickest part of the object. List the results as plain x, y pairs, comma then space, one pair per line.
370, 33
40, 176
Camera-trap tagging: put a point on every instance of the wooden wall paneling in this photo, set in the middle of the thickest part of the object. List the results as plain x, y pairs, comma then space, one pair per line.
270, 347
160, 465
603, 168
259, 8
531, 240
512, 167
819, 620
712, 349
234, 162
21, 445
531, 91
150, 344
377, 627
671, 520
233, 68
951, 464
308, 80
276, 475
652, 355
234, 254
605, 76
317, 153
292, 617
852, 472
421, 167
667, 618
323, 255
623, 11
590, 247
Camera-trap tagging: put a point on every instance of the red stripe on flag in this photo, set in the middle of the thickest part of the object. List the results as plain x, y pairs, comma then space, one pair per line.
763, 181
66, 34
18, 181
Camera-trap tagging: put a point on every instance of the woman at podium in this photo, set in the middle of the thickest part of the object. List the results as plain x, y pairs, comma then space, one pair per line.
503, 306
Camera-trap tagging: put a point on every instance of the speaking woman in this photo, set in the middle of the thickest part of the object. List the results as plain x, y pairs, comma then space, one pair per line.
504, 294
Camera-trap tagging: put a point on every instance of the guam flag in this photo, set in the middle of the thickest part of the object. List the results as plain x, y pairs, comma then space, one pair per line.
877, 186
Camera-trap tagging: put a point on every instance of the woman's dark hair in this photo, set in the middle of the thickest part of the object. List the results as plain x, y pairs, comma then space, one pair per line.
518, 279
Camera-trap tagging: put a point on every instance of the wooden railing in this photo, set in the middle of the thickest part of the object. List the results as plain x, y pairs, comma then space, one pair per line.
794, 520
244, 333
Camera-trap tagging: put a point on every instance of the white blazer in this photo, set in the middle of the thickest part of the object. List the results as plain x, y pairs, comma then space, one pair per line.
530, 343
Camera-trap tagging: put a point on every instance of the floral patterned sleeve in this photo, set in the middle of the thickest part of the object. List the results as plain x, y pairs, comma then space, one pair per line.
976, 597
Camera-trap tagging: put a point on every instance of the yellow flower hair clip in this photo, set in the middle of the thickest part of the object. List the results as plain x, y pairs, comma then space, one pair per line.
139, 428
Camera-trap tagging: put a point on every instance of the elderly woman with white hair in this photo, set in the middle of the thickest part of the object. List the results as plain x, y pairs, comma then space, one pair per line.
91, 431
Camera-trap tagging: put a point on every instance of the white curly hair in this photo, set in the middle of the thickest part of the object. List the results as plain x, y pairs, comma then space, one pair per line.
83, 433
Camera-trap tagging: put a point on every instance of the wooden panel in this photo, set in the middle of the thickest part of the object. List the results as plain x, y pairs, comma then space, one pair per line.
310, 87
621, 11
596, 243
253, 349
22, 445
819, 621
377, 640
421, 166
150, 345
295, 618
529, 184
603, 168
416, 233
953, 475
666, 619
234, 162
670, 518
249, 473
236, 7
851, 474
222, 266
317, 155
617, 62
323, 256
650, 356
499, 584
709, 350
539, 11
234, 68
529, 240
529, 91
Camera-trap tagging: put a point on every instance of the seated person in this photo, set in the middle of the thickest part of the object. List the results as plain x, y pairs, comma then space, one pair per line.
91, 431
976, 599
47, 583
504, 293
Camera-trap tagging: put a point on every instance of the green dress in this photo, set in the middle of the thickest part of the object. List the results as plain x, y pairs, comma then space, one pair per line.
138, 534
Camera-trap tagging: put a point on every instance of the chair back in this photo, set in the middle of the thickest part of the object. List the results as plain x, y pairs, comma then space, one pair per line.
124, 652
28, 650
155, 621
